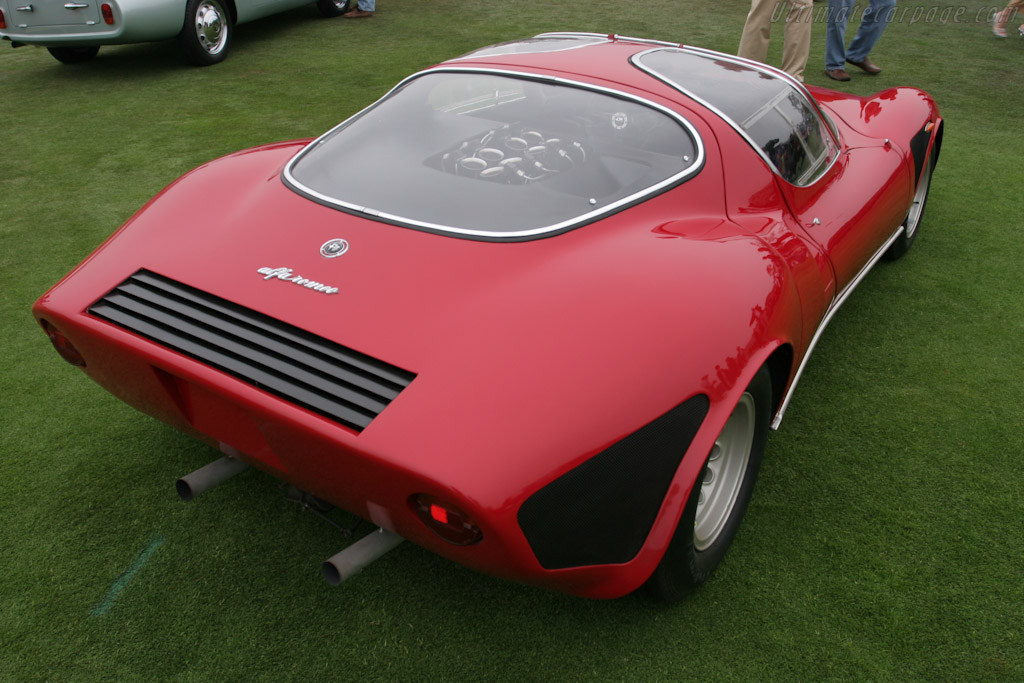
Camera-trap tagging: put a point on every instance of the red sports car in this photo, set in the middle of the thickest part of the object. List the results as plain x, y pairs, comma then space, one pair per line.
535, 310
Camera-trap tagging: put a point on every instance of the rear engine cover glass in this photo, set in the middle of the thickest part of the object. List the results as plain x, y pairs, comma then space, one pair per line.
497, 156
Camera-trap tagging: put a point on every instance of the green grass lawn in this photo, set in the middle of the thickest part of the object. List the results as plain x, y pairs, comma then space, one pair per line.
885, 540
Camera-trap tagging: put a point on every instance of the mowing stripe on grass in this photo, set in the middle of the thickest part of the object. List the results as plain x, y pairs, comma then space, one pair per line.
122, 581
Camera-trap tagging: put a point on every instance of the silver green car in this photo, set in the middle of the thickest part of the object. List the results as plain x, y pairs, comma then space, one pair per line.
74, 30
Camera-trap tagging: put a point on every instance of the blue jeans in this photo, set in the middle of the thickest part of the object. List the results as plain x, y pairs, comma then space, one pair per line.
876, 18
368, 5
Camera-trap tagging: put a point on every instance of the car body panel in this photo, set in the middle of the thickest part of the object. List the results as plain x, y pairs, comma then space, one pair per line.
50, 24
530, 357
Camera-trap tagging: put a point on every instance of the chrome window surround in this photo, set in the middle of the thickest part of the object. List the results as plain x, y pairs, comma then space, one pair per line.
594, 39
762, 68
610, 37
693, 168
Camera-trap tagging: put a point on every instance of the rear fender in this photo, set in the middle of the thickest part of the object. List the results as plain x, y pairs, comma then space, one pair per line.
905, 116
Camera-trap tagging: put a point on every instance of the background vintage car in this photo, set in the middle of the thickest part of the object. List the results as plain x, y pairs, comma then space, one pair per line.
534, 310
74, 30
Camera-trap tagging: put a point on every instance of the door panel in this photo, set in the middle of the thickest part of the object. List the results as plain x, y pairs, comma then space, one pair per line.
855, 207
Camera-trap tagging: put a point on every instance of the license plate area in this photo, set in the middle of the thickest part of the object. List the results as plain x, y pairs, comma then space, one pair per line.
35, 13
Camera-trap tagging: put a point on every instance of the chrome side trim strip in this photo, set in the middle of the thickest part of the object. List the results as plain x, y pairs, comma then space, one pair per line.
692, 169
836, 303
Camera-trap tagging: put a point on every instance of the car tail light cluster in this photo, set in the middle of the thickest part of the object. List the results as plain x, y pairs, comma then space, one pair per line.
108, 14
63, 345
3, 22
445, 520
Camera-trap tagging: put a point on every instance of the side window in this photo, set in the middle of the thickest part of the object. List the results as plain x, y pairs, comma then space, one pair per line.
770, 110
791, 136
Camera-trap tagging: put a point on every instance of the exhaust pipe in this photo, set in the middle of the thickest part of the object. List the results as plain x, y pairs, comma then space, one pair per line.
359, 555
205, 478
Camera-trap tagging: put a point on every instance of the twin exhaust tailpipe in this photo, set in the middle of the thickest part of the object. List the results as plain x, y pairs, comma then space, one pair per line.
338, 568
359, 556
205, 478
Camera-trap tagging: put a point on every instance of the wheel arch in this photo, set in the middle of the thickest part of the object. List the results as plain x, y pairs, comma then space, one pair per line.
937, 145
780, 369
232, 10
228, 4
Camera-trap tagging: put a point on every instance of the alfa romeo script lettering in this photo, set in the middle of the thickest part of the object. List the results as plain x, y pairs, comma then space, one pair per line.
287, 274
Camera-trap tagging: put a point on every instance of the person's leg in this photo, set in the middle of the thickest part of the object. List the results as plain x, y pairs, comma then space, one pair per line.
1002, 17
757, 30
837, 14
1016, 10
876, 18
797, 44
363, 8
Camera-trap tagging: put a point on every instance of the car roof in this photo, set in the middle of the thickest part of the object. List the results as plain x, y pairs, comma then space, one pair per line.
579, 56
614, 58
742, 93
527, 120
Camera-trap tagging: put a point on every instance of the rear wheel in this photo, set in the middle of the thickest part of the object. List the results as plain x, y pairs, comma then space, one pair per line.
719, 497
206, 36
332, 8
74, 55
913, 220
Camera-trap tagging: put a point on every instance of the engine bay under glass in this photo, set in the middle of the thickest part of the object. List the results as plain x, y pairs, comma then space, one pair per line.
497, 155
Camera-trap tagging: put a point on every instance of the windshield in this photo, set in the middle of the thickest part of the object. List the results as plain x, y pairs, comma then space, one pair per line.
496, 156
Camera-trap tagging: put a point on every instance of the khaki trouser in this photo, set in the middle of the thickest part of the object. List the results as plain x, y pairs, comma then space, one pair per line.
796, 44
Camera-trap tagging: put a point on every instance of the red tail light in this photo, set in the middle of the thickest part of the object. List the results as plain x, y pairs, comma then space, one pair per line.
108, 14
63, 345
3, 22
445, 520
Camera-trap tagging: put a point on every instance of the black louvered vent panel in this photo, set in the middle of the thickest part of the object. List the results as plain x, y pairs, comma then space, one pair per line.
327, 378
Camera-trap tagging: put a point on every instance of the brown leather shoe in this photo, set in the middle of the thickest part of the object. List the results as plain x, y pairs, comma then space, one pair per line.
357, 14
837, 74
867, 66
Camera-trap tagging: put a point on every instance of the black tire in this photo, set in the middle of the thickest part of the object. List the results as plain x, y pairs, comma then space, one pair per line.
74, 55
206, 36
707, 527
332, 8
912, 223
